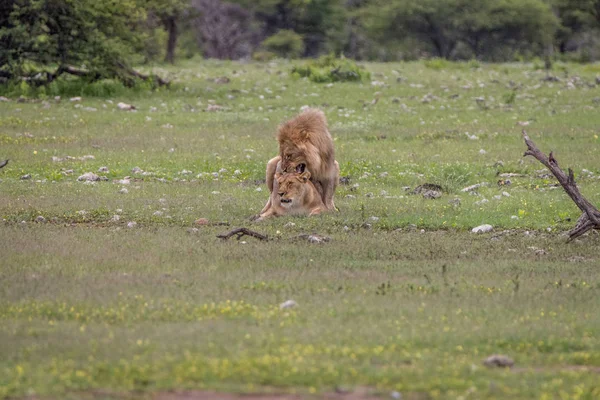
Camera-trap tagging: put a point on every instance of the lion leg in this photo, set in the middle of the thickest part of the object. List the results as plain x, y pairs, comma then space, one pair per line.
329, 186
272, 167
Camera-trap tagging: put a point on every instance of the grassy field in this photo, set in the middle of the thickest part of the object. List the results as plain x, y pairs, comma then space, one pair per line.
403, 298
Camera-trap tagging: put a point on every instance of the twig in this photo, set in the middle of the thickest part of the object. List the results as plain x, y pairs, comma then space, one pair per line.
241, 232
590, 219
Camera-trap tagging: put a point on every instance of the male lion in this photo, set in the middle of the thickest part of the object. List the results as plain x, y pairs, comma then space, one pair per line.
305, 144
295, 195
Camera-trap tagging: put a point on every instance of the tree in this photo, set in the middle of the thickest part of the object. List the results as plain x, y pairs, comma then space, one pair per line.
223, 29
88, 38
170, 13
317, 21
444, 24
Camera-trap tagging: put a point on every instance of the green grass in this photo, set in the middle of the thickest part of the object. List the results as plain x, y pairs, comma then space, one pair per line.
409, 301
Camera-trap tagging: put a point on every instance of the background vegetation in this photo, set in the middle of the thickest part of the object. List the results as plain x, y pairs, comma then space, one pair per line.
43, 39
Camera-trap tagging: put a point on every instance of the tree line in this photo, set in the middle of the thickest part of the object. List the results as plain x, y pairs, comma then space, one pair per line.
100, 38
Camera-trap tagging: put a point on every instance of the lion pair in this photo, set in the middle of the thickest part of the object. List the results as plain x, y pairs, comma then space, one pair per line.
302, 179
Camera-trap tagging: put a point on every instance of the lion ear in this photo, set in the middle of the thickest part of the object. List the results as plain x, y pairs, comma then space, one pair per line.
305, 176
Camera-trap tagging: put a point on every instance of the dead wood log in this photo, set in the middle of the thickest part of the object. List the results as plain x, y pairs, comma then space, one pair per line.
241, 232
590, 219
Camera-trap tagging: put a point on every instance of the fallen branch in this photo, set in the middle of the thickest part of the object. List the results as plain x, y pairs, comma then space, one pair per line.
241, 232
590, 219
3, 163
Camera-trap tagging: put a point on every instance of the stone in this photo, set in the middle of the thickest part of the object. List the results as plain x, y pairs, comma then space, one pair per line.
485, 228
288, 304
499, 360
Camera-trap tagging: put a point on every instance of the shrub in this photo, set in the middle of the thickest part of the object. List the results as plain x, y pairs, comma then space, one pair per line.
285, 43
331, 69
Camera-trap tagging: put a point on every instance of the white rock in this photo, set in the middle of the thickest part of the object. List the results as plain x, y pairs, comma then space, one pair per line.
474, 187
75, 99
482, 152
103, 169
287, 304
89, 177
125, 106
136, 170
40, 218
482, 228
123, 191
157, 213
115, 218
505, 194
132, 224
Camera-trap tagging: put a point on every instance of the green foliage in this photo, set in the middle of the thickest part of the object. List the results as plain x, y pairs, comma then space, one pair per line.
263, 56
331, 69
285, 43
436, 63
487, 28
43, 36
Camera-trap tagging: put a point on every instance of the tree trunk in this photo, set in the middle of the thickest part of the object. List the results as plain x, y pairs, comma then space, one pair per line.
171, 26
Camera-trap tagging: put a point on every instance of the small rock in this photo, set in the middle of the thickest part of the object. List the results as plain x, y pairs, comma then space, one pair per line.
514, 217
222, 80
75, 99
131, 224
157, 213
482, 228
103, 169
540, 252
288, 304
89, 177
454, 202
474, 187
25, 177
396, 395
214, 107
481, 202
40, 219
136, 170
115, 218
3, 99
125, 107
498, 360
123, 191
505, 194
201, 221
482, 152
314, 238
289, 225
432, 194
576, 259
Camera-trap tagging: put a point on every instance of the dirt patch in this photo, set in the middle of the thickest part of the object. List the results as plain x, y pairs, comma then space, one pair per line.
356, 394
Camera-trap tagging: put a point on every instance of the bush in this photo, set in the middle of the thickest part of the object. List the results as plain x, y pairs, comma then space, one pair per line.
263, 56
330, 69
285, 43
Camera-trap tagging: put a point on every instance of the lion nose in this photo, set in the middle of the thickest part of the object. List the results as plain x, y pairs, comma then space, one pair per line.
280, 194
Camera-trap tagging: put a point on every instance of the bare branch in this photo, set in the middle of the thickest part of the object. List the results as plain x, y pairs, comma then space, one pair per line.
591, 216
241, 232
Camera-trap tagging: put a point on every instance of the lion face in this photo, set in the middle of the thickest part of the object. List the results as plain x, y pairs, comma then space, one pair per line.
293, 158
291, 187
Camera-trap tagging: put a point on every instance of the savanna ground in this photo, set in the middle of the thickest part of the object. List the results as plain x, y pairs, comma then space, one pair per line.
403, 298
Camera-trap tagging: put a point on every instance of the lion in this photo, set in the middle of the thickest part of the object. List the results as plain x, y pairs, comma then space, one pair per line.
295, 195
306, 144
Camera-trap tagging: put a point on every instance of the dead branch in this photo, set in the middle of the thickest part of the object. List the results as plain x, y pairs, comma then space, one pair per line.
241, 232
3, 163
590, 219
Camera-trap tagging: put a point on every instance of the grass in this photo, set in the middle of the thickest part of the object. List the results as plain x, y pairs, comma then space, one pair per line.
404, 298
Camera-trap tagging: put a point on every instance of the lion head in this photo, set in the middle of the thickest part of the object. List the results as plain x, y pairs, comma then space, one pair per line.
291, 187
